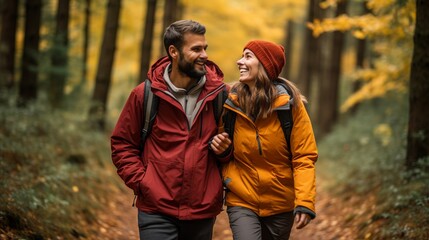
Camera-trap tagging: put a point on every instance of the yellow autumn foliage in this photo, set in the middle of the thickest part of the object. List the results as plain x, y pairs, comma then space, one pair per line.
390, 26
230, 24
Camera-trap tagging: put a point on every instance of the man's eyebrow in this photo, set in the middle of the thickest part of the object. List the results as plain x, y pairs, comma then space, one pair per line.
200, 46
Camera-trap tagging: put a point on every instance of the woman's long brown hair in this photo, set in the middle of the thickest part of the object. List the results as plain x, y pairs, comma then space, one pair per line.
257, 103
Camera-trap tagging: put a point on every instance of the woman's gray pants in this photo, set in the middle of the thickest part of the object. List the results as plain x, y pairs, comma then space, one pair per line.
247, 225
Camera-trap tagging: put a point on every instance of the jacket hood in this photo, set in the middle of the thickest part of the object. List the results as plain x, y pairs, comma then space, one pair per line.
282, 101
156, 71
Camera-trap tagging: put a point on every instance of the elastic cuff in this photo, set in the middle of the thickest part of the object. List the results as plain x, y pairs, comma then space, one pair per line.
226, 152
210, 144
304, 210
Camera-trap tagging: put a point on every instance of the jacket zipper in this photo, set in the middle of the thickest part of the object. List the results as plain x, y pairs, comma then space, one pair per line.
205, 105
259, 143
186, 103
258, 140
201, 124
186, 112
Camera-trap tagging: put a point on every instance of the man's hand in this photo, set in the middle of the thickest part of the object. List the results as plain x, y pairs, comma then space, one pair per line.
220, 143
301, 220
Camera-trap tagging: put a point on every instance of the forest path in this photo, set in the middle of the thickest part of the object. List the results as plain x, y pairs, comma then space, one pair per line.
337, 218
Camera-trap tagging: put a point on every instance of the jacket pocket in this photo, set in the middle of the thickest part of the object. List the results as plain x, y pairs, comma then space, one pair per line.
161, 182
239, 182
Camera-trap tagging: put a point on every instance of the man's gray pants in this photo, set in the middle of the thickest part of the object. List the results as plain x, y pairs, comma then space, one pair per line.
162, 227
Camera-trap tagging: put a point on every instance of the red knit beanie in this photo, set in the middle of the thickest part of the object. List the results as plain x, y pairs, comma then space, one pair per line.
271, 56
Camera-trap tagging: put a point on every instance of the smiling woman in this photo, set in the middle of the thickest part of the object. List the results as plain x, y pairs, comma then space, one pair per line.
248, 66
262, 203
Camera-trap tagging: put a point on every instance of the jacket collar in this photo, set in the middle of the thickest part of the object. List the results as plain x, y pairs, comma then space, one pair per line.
282, 102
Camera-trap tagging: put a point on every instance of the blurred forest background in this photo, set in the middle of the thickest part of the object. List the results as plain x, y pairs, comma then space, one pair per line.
67, 67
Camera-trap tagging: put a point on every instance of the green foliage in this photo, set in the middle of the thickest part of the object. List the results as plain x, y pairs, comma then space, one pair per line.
366, 155
52, 168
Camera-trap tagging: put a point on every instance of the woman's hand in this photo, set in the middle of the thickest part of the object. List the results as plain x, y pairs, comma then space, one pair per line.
301, 220
220, 143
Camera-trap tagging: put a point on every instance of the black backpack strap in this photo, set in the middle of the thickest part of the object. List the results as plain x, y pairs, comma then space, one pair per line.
285, 116
218, 103
286, 121
229, 122
150, 109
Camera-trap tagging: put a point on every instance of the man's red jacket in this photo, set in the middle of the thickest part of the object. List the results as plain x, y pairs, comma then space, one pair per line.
175, 174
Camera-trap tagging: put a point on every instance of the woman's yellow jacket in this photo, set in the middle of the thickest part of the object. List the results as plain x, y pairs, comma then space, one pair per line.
259, 173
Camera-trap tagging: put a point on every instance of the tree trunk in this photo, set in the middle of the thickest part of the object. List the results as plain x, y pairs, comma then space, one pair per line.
310, 56
329, 86
86, 40
103, 77
146, 48
288, 49
418, 126
9, 16
29, 63
170, 15
76, 97
361, 49
58, 77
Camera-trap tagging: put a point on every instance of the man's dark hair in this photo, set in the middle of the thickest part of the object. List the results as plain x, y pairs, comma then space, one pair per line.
174, 33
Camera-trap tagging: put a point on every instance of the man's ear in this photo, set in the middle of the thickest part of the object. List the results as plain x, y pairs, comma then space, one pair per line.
173, 51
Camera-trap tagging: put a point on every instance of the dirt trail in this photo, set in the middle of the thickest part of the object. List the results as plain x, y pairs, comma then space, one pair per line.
336, 219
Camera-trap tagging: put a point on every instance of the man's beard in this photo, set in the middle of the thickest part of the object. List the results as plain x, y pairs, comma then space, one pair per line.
189, 69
